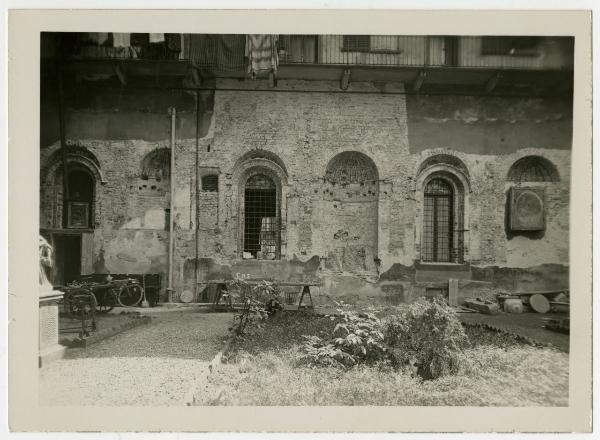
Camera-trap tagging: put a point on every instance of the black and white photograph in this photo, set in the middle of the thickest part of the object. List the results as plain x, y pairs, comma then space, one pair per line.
305, 220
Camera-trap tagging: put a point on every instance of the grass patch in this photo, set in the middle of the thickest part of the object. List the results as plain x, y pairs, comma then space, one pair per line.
266, 369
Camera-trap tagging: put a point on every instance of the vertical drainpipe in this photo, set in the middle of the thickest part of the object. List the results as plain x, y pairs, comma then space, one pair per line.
173, 112
63, 143
197, 195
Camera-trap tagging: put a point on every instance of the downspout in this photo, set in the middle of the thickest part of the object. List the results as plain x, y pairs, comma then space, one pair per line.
197, 195
173, 112
63, 144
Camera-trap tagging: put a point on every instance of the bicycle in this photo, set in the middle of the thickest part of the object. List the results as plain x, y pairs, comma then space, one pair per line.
129, 292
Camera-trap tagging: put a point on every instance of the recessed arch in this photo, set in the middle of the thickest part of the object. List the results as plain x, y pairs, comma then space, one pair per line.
75, 154
259, 155
156, 165
351, 167
80, 210
351, 191
533, 169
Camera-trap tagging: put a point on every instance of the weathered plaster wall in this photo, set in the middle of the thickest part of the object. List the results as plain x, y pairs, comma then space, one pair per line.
488, 125
304, 131
118, 129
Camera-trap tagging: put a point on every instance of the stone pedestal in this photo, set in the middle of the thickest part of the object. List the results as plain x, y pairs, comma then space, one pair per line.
49, 348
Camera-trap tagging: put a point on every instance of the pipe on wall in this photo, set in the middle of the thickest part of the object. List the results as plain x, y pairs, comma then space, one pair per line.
197, 195
173, 113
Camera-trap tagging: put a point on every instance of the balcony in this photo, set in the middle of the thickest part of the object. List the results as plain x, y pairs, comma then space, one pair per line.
431, 64
529, 53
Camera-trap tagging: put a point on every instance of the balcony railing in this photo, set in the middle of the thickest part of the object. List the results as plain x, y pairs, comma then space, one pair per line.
531, 53
430, 51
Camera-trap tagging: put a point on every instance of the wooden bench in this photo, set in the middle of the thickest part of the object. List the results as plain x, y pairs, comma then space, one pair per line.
221, 289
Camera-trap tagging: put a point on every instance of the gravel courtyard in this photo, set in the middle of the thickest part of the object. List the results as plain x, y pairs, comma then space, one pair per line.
150, 365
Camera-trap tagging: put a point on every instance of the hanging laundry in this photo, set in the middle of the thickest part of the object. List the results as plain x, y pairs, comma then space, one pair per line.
261, 50
121, 40
217, 51
157, 38
173, 46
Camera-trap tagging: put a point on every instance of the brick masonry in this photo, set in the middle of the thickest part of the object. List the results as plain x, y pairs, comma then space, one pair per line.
356, 246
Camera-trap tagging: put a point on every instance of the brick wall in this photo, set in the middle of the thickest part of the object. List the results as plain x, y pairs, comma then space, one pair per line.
304, 130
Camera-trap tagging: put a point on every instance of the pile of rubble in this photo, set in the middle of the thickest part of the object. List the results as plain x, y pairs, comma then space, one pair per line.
556, 301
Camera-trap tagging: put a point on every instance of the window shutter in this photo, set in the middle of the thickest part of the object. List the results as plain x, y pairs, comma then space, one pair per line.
87, 253
359, 43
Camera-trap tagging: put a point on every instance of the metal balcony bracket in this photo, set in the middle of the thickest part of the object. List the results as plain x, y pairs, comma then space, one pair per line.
121, 74
491, 83
196, 78
272, 79
345, 81
419, 80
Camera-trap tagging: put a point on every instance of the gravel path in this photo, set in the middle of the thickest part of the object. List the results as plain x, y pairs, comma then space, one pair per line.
150, 365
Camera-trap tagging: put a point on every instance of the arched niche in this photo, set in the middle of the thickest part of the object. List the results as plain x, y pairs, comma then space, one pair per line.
533, 169
351, 192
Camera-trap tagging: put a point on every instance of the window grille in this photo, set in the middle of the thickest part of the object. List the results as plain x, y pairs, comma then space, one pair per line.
357, 43
261, 218
210, 183
438, 222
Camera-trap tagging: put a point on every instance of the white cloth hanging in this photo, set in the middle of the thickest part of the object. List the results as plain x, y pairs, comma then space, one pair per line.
156, 38
121, 40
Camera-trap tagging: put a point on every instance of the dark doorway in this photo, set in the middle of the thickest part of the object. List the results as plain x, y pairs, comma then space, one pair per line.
67, 263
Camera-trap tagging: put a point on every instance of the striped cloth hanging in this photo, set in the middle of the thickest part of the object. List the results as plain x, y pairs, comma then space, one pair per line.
261, 50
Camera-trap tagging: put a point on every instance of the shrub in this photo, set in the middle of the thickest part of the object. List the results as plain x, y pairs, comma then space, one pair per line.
259, 300
428, 334
358, 338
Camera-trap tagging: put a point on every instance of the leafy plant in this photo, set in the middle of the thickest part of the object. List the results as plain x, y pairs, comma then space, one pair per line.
427, 334
258, 301
357, 338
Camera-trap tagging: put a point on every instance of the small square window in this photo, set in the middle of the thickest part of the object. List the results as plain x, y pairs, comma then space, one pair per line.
210, 183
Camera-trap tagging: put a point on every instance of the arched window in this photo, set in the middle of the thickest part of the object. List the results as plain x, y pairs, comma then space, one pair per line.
533, 169
80, 201
261, 235
438, 221
443, 189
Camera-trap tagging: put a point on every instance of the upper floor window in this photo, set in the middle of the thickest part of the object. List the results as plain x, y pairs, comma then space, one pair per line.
523, 46
356, 43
